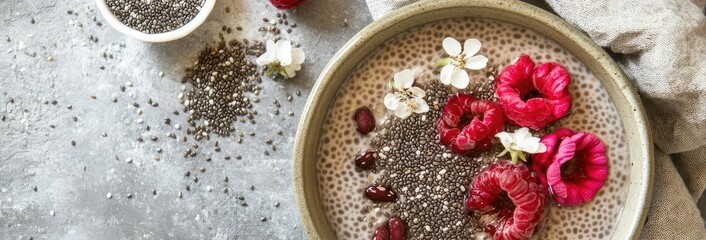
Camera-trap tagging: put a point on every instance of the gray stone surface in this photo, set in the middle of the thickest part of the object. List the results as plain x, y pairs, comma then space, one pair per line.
73, 181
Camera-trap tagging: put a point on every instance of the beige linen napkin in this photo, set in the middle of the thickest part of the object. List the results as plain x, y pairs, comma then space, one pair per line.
661, 46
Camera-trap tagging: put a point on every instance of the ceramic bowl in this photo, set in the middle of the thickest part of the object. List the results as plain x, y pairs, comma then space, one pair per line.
621, 91
157, 37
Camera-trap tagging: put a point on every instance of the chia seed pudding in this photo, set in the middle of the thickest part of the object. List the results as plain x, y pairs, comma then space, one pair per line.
429, 180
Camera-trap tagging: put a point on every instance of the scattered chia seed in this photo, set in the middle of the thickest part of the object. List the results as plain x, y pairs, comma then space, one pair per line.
155, 16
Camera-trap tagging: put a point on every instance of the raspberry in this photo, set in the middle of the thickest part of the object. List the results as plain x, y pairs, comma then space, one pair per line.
513, 195
575, 165
541, 161
534, 96
468, 125
286, 4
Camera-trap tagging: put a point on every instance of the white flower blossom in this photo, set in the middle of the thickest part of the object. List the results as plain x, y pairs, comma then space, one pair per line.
280, 57
519, 142
404, 98
460, 59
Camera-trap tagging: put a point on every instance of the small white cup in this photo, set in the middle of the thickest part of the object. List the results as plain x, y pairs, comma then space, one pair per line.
157, 37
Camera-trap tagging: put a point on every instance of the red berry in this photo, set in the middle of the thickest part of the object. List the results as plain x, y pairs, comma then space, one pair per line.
468, 125
514, 195
381, 233
490, 229
398, 228
534, 96
286, 4
379, 193
366, 161
364, 119
575, 166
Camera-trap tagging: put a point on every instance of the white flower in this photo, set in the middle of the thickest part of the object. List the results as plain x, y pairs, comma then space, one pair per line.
460, 59
519, 142
404, 98
280, 57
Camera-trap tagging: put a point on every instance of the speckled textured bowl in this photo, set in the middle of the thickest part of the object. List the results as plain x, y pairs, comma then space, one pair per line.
362, 44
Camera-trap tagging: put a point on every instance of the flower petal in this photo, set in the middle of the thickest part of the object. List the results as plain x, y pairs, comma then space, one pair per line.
298, 56
505, 138
522, 135
541, 148
417, 92
284, 52
290, 70
476, 62
530, 145
404, 79
403, 111
459, 78
391, 101
295, 67
451, 46
471, 47
269, 56
422, 106
446, 72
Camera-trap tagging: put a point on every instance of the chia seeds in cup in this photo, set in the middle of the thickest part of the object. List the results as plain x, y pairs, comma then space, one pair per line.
155, 16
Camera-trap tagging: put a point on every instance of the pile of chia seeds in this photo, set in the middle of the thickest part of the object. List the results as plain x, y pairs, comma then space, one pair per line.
430, 180
155, 16
223, 79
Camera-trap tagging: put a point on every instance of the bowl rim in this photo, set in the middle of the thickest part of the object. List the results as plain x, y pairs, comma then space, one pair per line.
157, 37
639, 189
